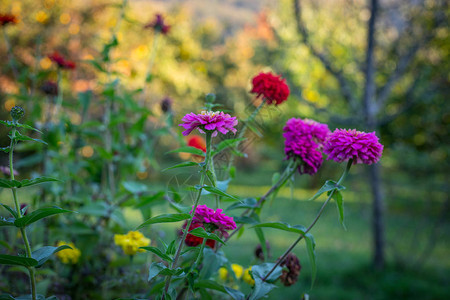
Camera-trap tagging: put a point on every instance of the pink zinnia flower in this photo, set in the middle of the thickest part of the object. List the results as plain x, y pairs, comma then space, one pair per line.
345, 144
213, 220
304, 140
61, 61
272, 87
209, 121
159, 25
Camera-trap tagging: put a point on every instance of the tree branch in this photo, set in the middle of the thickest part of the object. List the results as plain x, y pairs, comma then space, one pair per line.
344, 84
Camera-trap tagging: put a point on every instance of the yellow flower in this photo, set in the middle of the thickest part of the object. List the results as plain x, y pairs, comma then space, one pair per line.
68, 256
131, 242
247, 277
238, 270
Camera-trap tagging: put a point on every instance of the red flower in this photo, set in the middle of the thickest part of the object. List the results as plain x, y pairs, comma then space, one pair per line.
192, 240
197, 142
159, 25
272, 87
6, 19
61, 61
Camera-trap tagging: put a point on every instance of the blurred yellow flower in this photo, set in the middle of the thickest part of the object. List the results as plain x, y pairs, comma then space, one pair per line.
10, 103
87, 151
223, 274
45, 63
74, 29
131, 242
68, 256
247, 278
237, 269
64, 18
42, 17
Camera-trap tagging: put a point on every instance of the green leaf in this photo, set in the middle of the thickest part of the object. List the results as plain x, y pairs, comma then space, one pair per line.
210, 284
246, 203
6, 297
44, 253
328, 186
262, 241
159, 253
231, 143
212, 261
244, 220
200, 232
38, 180
134, 187
310, 248
262, 288
337, 196
182, 165
283, 226
22, 137
6, 183
17, 260
97, 209
219, 192
6, 222
188, 149
12, 124
165, 218
144, 200
11, 211
160, 269
39, 214
5, 149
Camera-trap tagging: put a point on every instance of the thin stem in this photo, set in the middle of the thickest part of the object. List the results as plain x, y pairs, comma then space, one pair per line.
280, 260
150, 64
244, 129
200, 254
188, 225
19, 213
59, 97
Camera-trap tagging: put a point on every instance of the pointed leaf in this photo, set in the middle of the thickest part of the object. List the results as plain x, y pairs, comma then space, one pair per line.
246, 203
188, 149
39, 180
159, 253
328, 186
182, 165
337, 196
11, 211
39, 214
160, 269
283, 226
310, 248
17, 260
200, 232
219, 192
165, 218
22, 137
210, 284
6, 222
44, 253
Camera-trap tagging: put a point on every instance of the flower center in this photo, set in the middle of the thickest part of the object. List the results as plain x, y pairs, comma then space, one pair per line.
209, 113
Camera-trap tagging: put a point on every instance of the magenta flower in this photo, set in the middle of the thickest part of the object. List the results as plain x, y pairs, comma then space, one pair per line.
213, 219
209, 121
304, 140
159, 24
345, 144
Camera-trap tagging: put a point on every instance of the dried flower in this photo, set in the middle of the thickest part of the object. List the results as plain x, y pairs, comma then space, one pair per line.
61, 61
290, 276
68, 256
7, 19
131, 242
166, 105
213, 220
272, 87
194, 241
50, 88
304, 141
345, 144
158, 24
209, 121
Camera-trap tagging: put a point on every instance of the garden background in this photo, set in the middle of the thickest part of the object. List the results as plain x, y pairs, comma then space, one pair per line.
345, 67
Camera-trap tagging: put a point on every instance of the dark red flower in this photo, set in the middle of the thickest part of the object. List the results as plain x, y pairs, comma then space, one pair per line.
49, 88
61, 61
290, 276
272, 87
159, 25
192, 240
6, 19
166, 105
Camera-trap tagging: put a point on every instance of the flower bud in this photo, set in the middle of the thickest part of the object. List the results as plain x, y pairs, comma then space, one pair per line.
17, 113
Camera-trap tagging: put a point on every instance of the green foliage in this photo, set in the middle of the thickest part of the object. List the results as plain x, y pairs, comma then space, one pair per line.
165, 218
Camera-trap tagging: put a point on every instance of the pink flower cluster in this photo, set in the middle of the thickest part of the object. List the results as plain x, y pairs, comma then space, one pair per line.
209, 121
345, 144
221, 222
304, 140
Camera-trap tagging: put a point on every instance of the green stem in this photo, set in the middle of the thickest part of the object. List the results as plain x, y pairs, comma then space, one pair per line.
150, 63
244, 129
280, 260
59, 98
19, 213
200, 254
188, 225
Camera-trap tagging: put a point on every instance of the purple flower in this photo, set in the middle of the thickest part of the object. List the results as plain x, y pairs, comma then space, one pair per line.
345, 144
214, 220
159, 24
304, 140
209, 121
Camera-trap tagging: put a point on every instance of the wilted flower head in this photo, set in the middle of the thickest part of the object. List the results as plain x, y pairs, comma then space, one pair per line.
272, 87
304, 140
61, 61
290, 276
166, 105
194, 241
68, 256
131, 242
49, 88
209, 121
7, 19
213, 219
158, 24
345, 144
